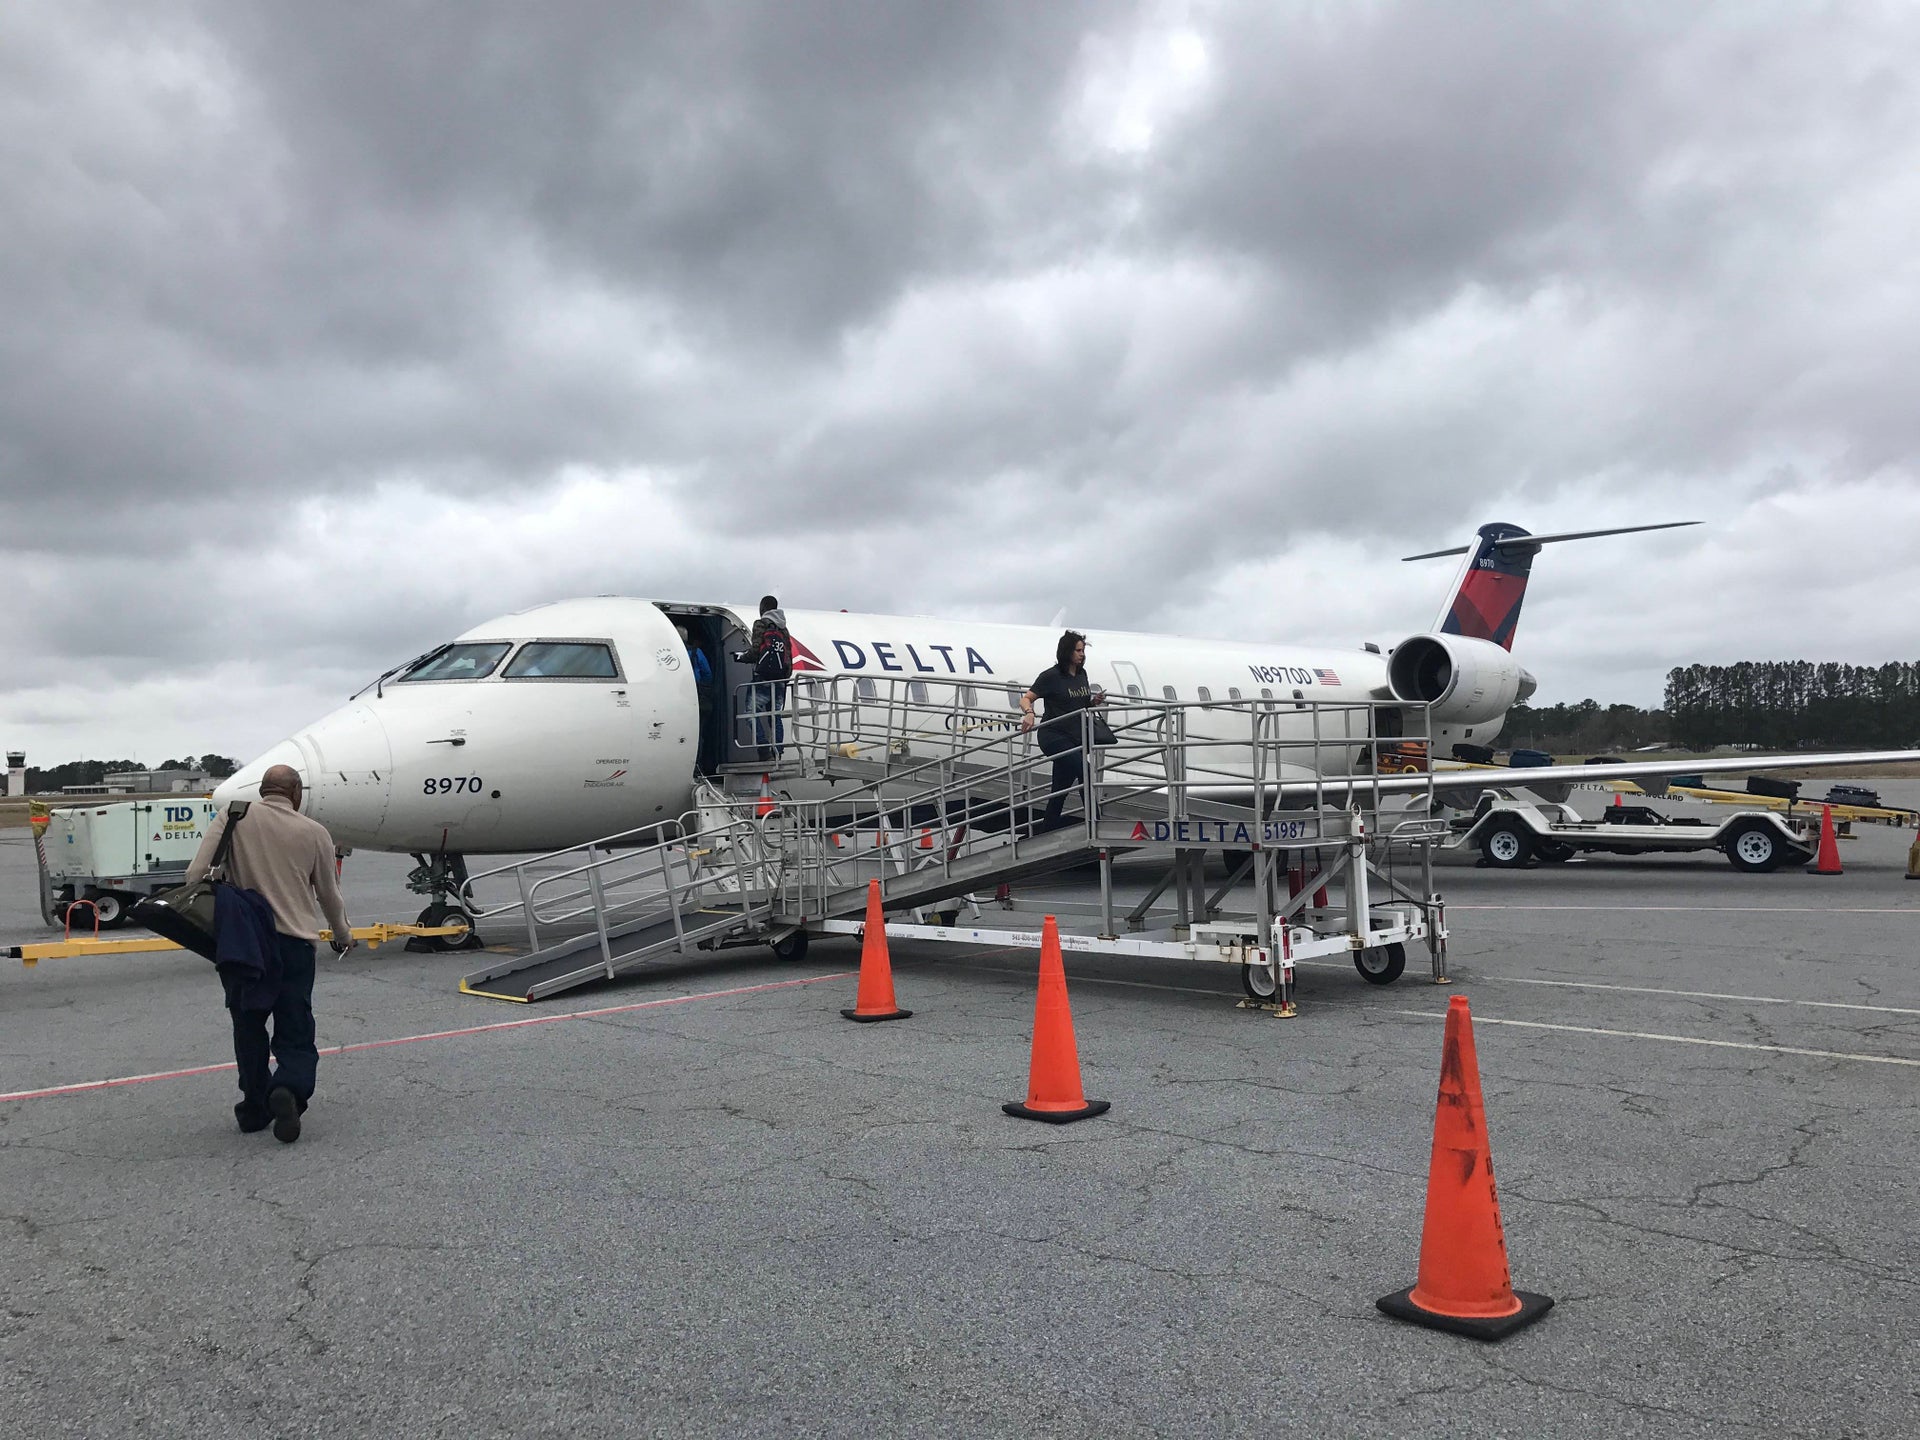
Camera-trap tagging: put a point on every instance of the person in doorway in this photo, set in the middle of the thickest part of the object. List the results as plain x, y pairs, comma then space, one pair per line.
703, 690
770, 648
289, 861
1067, 691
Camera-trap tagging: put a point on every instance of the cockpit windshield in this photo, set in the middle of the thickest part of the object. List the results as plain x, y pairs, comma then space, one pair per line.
473, 661
564, 660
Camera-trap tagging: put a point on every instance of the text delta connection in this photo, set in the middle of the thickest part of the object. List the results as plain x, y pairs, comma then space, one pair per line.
886, 657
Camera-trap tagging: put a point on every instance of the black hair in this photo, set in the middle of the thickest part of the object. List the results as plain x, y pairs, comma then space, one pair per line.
1063, 652
767, 602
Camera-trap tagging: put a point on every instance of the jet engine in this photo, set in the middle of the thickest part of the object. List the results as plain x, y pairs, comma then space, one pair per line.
1466, 681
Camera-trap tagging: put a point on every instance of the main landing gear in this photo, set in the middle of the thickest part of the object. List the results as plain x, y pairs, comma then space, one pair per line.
440, 878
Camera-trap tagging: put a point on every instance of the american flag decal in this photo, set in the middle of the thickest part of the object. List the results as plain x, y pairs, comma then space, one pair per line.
1326, 677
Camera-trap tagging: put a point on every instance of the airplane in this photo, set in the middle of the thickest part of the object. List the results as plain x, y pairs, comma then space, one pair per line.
580, 719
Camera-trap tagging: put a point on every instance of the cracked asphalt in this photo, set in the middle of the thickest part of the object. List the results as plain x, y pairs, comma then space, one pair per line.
740, 1215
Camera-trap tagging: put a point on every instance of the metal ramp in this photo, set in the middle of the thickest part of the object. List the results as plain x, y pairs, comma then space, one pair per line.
917, 786
597, 910
585, 958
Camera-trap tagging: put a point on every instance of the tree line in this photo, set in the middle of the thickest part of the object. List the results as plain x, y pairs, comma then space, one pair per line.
1786, 703
93, 772
1584, 728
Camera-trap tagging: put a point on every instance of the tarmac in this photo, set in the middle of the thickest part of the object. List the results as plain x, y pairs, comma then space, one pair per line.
697, 1202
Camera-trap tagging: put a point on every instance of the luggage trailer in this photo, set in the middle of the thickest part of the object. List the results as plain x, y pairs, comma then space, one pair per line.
1514, 833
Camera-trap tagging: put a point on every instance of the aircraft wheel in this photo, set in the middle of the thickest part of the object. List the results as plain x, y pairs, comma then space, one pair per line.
444, 914
1554, 852
1507, 845
1754, 847
792, 947
1261, 982
1382, 964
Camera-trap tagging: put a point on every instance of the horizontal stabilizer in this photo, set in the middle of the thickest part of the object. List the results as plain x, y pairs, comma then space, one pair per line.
1532, 542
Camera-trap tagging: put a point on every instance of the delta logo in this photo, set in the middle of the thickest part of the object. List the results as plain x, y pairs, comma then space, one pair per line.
887, 655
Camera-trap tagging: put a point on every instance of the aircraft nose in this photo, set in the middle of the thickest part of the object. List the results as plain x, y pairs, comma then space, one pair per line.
244, 783
344, 763
352, 769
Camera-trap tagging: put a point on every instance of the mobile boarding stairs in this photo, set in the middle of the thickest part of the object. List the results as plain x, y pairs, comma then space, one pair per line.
940, 798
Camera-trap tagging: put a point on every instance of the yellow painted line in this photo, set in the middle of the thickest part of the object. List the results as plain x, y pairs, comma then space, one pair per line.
1673, 1039
466, 989
374, 935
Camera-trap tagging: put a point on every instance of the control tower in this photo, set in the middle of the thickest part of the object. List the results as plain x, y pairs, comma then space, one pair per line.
16, 772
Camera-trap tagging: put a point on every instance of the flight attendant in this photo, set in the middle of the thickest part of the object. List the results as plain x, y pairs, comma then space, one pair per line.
1067, 691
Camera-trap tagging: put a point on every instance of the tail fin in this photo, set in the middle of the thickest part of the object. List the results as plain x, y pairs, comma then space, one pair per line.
1485, 604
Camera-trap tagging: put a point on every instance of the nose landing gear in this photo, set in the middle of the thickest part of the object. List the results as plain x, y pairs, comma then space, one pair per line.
440, 877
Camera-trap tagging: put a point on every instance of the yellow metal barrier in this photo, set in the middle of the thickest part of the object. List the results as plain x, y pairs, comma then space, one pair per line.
374, 935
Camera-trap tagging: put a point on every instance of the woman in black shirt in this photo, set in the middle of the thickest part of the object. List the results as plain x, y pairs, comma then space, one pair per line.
1067, 691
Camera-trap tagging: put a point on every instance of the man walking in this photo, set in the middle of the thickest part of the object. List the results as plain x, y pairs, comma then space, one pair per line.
288, 859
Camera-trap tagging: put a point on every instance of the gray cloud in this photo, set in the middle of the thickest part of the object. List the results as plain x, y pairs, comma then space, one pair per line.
361, 325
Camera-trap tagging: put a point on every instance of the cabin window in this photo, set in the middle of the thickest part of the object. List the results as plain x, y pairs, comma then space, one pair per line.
1266, 693
1233, 692
563, 660
1299, 700
917, 691
1169, 692
460, 662
866, 688
1135, 692
1205, 694
1014, 692
969, 698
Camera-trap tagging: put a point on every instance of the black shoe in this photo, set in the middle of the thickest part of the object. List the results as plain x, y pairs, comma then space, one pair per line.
286, 1114
253, 1118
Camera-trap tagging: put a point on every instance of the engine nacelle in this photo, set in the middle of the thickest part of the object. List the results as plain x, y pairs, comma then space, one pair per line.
1466, 681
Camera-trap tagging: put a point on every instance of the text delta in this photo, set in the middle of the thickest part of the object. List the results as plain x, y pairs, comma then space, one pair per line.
1219, 832
886, 656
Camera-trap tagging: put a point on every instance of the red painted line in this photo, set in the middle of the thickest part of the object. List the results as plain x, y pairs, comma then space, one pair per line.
84, 1086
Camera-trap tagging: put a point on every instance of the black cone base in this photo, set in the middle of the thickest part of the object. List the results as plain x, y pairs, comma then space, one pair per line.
1058, 1117
874, 1019
1400, 1305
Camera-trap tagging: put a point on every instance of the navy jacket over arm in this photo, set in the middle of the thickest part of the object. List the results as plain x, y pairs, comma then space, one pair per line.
245, 947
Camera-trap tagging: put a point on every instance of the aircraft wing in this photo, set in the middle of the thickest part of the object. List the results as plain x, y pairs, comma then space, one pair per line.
1562, 777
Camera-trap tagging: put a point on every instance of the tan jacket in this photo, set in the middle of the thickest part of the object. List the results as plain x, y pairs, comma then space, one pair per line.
287, 858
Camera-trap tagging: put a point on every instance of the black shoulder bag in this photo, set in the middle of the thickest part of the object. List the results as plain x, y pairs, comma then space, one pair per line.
184, 914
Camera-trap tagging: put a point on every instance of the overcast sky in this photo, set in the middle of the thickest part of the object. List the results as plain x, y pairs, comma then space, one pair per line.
327, 331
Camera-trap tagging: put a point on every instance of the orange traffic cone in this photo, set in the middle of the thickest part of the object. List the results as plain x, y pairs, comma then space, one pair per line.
1463, 1285
1827, 861
1619, 799
1053, 1075
874, 999
764, 807
1913, 857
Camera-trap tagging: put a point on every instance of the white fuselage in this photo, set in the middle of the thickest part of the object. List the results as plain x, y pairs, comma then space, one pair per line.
516, 763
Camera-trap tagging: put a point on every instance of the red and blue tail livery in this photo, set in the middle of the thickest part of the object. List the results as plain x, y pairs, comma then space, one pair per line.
1486, 603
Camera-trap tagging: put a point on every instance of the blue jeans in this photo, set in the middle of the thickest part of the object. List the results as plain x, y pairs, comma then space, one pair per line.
293, 1034
767, 701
